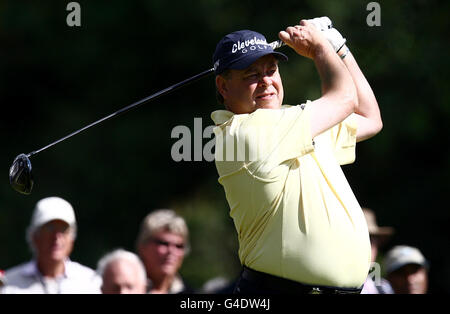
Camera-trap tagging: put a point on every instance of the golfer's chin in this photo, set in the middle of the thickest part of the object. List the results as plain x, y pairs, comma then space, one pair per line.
273, 103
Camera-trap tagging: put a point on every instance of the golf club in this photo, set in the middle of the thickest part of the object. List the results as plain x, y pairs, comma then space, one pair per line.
20, 174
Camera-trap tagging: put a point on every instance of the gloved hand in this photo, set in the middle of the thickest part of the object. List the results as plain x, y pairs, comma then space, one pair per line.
325, 25
335, 38
321, 23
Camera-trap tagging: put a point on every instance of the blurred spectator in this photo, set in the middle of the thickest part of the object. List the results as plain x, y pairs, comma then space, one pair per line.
407, 270
1, 278
122, 273
51, 236
218, 285
162, 244
378, 238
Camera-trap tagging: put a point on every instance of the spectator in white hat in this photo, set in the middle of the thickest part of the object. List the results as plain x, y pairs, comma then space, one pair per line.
407, 270
51, 236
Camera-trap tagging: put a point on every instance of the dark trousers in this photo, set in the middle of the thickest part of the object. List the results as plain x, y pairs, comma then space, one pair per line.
258, 283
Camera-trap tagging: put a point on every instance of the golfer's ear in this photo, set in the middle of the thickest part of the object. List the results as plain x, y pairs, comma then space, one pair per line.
221, 84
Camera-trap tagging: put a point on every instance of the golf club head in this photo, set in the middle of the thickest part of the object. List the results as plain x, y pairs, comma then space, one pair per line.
20, 176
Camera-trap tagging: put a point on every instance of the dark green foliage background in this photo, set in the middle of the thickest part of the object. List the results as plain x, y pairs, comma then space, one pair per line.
55, 79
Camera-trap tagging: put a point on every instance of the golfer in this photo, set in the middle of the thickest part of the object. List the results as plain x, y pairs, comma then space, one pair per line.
300, 227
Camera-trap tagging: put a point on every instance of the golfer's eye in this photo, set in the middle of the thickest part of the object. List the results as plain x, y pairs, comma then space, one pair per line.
252, 75
271, 71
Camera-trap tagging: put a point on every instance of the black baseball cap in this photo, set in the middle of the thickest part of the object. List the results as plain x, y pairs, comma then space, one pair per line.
238, 50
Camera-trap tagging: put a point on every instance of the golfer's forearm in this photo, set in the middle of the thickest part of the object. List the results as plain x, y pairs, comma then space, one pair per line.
337, 84
367, 104
370, 122
338, 98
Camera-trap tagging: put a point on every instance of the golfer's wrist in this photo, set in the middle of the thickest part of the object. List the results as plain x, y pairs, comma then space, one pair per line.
343, 51
321, 51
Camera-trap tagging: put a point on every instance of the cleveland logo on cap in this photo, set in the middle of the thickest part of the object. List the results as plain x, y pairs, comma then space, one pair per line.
253, 44
240, 49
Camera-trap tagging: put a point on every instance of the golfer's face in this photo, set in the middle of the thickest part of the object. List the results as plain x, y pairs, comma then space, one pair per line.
54, 240
258, 86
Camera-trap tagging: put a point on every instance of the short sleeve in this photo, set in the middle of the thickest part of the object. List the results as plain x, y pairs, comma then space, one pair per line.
344, 139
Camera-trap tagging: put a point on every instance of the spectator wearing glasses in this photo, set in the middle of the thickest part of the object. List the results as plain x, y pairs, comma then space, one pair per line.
51, 236
162, 244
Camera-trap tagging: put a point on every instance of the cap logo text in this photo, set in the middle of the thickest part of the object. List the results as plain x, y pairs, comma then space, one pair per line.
250, 44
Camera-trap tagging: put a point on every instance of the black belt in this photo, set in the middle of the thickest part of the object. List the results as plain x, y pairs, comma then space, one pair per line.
267, 281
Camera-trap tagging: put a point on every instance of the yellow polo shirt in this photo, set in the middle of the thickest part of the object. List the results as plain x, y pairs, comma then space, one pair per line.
294, 211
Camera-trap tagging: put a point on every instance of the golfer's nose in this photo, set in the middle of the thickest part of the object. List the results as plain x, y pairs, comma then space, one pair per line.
265, 80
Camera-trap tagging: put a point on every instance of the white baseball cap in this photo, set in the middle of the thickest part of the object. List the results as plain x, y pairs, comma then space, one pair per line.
52, 208
48, 209
402, 255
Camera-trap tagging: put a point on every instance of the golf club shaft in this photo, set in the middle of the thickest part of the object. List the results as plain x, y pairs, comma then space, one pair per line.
129, 107
275, 45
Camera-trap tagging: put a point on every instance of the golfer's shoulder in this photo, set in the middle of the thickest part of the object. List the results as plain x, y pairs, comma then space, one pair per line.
298, 107
284, 112
284, 109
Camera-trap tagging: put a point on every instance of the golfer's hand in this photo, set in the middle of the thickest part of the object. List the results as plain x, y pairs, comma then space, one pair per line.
305, 39
321, 23
333, 36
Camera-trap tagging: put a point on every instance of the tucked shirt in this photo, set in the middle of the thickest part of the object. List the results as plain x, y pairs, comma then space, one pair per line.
26, 279
294, 211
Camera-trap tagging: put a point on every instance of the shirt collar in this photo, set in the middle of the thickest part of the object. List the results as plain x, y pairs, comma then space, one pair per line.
221, 116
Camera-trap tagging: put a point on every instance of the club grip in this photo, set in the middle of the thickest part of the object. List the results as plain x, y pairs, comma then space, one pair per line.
277, 44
